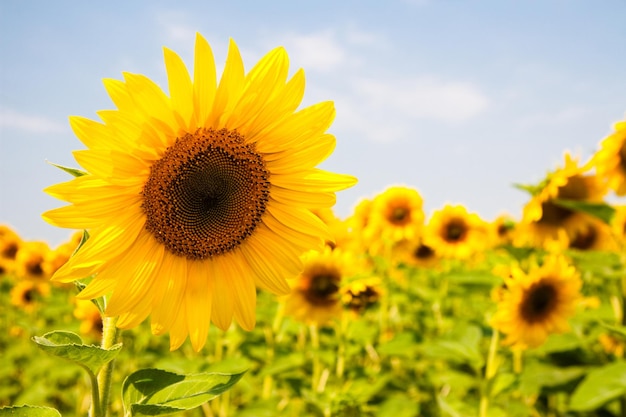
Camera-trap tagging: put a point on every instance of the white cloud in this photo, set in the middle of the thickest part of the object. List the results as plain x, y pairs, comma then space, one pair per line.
386, 110
10, 119
320, 51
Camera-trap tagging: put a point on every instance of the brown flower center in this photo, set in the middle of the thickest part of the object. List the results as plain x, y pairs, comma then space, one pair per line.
323, 287
206, 195
622, 156
455, 231
399, 215
584, 239
423, 252
539, 302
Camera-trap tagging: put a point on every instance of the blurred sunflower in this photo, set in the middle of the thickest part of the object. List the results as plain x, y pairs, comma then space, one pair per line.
192, 199
544, 221
416, 253
9, 243
396, 214
361, 294
502, 230
618, 224
453, 232
31, 260
592, 234
355, 224
315, 297
610, 160
537, 303
90, 318
27, 294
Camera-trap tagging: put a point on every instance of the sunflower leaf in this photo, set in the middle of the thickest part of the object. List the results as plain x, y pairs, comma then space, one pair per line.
68, 345
29, 411
601, 211
152, 392
599, 387
75, 172
619, 330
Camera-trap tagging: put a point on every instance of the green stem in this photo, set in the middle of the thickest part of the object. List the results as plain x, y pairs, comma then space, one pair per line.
315, 344
96, 409
110, 335
490, 371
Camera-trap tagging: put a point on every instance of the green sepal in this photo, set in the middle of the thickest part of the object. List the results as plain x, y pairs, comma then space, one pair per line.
28, 411
153, 392
600, 211
599, 387
70, 346
75, 172
531, 189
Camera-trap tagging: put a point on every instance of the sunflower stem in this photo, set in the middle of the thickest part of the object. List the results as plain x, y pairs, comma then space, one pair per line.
490, 371
315, 344
110, 336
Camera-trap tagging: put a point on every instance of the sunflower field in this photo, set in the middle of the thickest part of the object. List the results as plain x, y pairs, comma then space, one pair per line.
209, 275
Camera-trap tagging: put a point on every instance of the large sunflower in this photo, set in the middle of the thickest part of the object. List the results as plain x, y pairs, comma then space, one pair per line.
538, 302
193, 198
610, 160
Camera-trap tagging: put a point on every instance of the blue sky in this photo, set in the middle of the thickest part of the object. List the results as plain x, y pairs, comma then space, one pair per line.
459, 99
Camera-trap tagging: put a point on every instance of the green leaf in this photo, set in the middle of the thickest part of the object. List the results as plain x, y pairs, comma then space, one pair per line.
28, 411
152, 392
601, 211
72, 171
70, 346
619, 330
600, 386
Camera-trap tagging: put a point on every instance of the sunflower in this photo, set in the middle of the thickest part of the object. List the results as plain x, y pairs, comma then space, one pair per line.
416, 253
27, 294
9, 243
502, 229
316, 296
534, 304
545, 221
396, 215
453, 232
361, 294
610, 160
592, 234
194, 198
31, 260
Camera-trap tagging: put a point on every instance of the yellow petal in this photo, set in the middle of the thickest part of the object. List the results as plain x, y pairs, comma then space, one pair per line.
180, 86
198, 302
204, 79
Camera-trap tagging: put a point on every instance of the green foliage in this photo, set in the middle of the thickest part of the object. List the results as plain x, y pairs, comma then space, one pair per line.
28, 411
601, 211
601, 385
151, 392
70, 346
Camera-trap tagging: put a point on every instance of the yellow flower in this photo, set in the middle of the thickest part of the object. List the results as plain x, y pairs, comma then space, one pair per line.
453, 232
416, 253
193, 198
610, 160
360, 294
27, 294
592, 234
544, 221
537, 303
396, 215
9, 243
316, 297
30, 260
